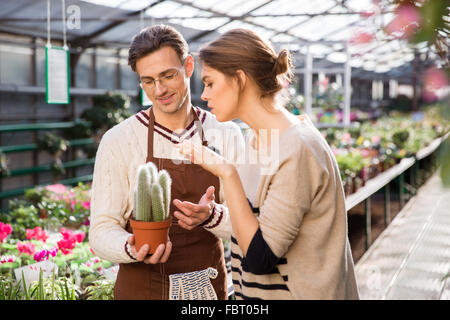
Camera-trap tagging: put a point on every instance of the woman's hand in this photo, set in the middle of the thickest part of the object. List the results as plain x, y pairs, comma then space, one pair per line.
207, 159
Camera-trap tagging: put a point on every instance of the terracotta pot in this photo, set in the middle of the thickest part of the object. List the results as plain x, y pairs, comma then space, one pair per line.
151, 233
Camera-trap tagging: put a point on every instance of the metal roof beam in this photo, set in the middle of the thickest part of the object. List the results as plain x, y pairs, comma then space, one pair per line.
84, 41
304, 21
243, 20
205, 33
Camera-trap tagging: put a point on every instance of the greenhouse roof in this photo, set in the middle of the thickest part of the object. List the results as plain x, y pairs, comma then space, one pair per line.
323, 26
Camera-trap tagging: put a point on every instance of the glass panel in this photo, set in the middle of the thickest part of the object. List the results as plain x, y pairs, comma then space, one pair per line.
83, 72
242, 7
128, 78
163, 9
15, 64
40, 67
200, 24
106, 69
264, 33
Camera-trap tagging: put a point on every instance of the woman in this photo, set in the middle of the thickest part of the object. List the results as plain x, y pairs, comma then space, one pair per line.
288, 217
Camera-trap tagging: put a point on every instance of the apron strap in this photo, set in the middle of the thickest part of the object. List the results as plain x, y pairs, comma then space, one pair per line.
151, 125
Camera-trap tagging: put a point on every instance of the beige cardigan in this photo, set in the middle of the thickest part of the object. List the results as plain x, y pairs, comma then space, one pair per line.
303, 220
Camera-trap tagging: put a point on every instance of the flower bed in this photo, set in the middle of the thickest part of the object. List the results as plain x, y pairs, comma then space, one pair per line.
51, 226
372, 147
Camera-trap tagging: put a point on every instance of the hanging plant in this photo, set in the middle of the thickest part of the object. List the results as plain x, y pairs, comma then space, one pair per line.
108, 110
4, 171
56, 146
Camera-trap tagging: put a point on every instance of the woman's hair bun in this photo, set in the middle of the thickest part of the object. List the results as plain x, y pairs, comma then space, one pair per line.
282, 62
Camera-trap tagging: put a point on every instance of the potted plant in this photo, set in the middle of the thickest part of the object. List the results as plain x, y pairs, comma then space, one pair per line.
151, 221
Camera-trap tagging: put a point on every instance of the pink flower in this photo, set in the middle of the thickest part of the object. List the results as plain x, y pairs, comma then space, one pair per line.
80, 236
27, 248
434, 80
57, 188
44, 254
53, 251
405, 23
67, 244
346, 137
86, 205
5, 230
376, 139
324, 82
6, 259
362, 37
37, 233
365, 153
41, 255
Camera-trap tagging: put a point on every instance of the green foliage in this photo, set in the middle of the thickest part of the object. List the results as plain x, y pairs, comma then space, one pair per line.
102, 289
9, 289
400, 138
351, 163
434, 26
108, 110
401, 103
80, 130
52, 143
23, 216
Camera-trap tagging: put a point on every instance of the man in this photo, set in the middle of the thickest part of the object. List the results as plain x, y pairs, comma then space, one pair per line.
159, 55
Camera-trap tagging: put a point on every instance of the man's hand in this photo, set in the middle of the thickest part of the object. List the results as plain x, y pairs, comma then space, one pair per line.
161, 254
192, 214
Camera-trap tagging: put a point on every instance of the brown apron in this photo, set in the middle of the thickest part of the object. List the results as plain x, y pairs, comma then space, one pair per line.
193, 250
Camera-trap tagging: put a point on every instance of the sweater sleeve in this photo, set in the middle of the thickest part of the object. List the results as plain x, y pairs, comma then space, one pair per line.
107, 234
233, 146
219, 223
287, 200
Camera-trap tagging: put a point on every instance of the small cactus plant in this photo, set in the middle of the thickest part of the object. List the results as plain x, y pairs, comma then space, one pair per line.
152, 194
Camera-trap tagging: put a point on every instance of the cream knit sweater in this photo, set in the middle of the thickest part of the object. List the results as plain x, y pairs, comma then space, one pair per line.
122, 149
302, 218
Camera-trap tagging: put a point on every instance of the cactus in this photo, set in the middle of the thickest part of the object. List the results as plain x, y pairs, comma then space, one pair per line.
152, 194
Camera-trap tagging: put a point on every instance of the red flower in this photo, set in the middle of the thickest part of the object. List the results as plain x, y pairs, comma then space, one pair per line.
67, 244
27, 248
5, 230
37, 233
80, 236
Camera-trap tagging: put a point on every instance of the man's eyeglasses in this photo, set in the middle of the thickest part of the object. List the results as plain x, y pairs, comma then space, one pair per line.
163, 80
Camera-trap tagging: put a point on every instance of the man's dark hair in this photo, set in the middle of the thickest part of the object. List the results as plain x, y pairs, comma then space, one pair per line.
154, 38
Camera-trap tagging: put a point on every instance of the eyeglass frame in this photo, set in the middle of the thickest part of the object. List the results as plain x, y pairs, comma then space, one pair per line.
162, 79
